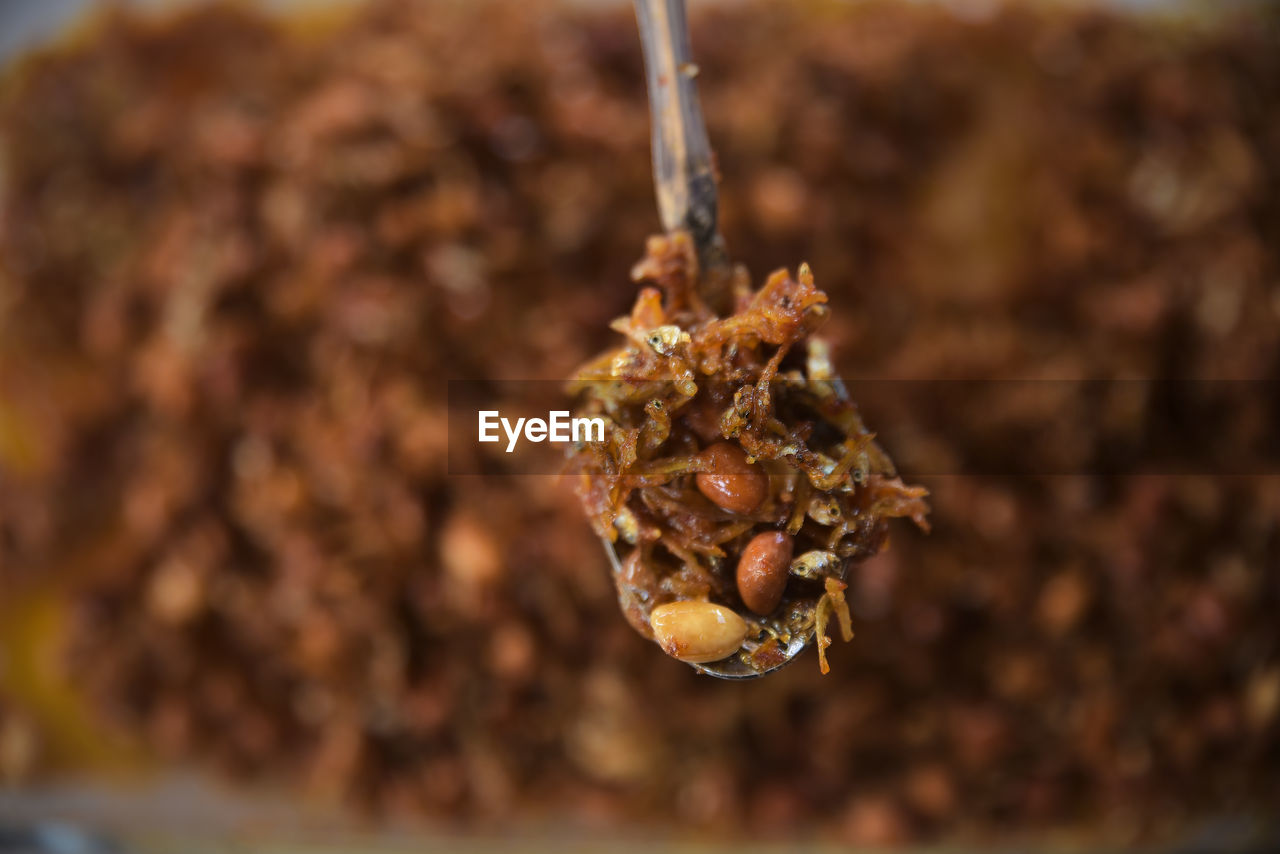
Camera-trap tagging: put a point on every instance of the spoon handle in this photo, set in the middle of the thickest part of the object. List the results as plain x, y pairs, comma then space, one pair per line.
683, 172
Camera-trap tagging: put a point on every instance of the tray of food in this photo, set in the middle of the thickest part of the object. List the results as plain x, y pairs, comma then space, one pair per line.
962, 347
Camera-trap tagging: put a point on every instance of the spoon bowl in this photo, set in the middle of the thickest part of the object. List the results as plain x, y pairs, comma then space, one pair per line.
734, 666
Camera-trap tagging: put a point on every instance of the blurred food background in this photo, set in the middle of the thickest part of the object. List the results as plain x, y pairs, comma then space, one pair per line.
241, 256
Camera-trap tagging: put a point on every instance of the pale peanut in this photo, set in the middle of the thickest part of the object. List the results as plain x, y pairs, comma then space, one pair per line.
697, 632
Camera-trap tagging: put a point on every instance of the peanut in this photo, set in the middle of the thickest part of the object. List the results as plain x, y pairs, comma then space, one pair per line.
762, 570
697, 632
732, 484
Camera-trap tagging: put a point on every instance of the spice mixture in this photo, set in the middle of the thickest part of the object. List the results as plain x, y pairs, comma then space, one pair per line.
238, 264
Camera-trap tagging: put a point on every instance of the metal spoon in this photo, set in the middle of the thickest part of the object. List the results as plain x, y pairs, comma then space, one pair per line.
684, 178
683, 167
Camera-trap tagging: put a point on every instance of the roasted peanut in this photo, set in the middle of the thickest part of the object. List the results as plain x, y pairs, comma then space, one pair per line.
697, 632
732, 484
762, 570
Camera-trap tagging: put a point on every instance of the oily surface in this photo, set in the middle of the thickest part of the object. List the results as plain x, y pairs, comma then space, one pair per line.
238, 268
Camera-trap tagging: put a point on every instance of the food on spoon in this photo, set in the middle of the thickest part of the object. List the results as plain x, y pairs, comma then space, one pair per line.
729, 448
